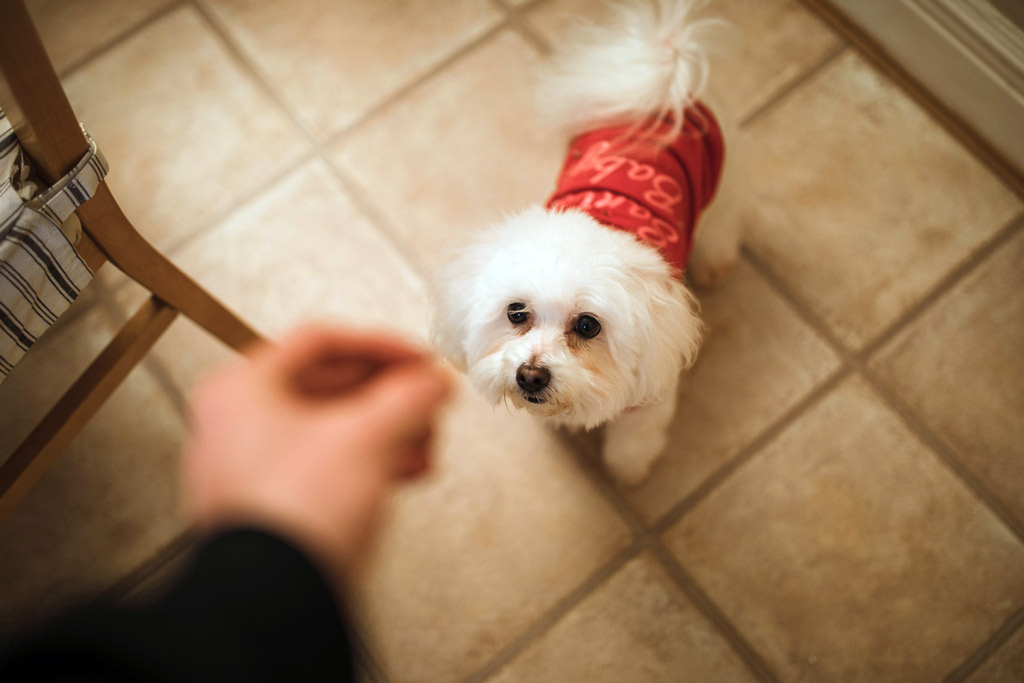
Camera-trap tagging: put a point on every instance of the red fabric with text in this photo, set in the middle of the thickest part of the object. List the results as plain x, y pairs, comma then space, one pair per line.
656, 192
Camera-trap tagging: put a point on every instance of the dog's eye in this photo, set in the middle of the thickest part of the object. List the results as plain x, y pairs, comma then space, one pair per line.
516, 314
587, 326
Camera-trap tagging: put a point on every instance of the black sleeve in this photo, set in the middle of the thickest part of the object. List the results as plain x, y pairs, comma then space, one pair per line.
250, 608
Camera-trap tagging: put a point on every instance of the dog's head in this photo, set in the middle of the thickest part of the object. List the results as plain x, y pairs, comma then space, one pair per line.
559, 315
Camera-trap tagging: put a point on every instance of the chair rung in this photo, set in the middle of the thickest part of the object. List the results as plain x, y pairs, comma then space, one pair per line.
66, 419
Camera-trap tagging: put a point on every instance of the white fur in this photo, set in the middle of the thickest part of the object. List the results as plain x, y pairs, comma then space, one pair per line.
635, 439
649, 59
560, 265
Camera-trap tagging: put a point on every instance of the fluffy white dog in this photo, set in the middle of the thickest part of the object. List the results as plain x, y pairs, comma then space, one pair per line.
576, 311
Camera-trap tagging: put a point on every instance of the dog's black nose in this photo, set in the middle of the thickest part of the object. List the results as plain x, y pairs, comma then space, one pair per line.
532, 378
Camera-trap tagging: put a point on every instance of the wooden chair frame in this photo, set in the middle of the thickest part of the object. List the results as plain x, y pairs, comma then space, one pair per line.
33, 99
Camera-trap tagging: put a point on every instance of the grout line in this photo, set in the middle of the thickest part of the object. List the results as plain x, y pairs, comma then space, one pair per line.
518, 22
526, 7
513, 22
789, 88
803, 310
759, 442
415, 83
944, 285
649, 538
316, 147
314, 151
247, 66
546, 621
859, 363
522, 26
944, 453
182, 240
120, 38
987, 649
368, 208
706, 606
588, 459
536, 630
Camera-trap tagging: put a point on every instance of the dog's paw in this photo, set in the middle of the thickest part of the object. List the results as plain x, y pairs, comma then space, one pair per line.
629, 457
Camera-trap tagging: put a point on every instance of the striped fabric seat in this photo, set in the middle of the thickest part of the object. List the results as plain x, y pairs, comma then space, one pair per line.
41, 274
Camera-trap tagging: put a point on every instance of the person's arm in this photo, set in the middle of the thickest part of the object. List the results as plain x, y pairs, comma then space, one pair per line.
250, 607
290, 459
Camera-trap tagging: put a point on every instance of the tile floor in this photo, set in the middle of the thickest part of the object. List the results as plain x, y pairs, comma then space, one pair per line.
842, 499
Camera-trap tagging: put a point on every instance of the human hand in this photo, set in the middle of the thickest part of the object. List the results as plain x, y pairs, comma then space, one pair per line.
307, 439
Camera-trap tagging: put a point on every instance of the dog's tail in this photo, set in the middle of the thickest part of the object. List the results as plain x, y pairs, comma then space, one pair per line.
645, 65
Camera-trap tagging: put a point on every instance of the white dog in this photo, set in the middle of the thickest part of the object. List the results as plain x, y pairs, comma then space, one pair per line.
576, 311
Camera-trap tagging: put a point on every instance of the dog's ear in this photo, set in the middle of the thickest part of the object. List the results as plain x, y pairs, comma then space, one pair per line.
672, 337
450, 315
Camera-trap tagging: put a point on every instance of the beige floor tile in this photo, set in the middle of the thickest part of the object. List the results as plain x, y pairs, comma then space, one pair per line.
460, 151
847, 552
861, 201
187, 133
1006, 664
764, 45
334, 61
758, 360
300, 253
506, 526
111, 499
72, 29
961, 367
637, 627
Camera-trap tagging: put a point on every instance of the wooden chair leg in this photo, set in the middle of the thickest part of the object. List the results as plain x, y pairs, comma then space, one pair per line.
46, 126
34, 101
108, 227
40, 449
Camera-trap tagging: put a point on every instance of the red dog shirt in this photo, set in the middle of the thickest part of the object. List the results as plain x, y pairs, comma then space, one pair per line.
655, 192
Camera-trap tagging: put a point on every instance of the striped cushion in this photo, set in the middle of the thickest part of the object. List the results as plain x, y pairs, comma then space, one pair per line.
40, 271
